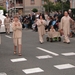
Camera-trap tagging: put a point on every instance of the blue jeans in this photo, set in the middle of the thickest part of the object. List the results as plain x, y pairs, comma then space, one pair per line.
26, 26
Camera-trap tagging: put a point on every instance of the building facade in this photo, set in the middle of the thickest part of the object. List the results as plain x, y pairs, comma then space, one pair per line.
25, 6
31, 4
72, 4
3, 3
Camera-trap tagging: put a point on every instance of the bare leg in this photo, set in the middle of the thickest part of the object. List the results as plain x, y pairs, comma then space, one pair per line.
8, 30
15, 47
19, 49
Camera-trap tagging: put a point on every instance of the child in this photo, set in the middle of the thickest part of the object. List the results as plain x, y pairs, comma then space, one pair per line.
17, 35
53, 34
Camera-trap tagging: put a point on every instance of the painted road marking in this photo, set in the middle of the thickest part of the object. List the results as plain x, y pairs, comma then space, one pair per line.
8, 36
3, 73
18, 59
47, 51
64, 66
44, 57
68, 54
33, 70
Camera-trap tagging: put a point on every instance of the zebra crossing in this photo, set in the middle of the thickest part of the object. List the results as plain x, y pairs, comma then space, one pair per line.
39, 69
18, 60
3, 73
34, 70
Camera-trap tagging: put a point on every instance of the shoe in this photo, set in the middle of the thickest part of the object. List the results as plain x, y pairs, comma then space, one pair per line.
41, 42
64, 41
15, 52
47, 39
19, 54
68, 42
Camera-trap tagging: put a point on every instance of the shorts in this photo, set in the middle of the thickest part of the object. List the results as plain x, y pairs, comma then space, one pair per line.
17, 41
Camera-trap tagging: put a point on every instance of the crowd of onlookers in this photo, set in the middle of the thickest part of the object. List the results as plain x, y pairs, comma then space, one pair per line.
29, 21
53, 18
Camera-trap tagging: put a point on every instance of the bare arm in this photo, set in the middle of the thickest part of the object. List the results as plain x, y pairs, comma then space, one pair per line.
72, 20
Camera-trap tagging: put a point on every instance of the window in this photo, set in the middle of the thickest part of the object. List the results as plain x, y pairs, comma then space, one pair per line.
19, 1
32, 1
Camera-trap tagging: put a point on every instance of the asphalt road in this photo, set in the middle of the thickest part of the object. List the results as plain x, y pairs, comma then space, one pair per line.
55, 58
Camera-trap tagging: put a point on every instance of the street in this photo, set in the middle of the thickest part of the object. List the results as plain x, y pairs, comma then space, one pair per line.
56, 58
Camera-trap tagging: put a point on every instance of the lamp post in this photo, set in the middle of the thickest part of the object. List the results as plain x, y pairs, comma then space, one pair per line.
63, 1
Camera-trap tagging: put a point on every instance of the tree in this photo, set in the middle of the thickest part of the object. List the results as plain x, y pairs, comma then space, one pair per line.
48, 5
35, 10
4, 10
57, 6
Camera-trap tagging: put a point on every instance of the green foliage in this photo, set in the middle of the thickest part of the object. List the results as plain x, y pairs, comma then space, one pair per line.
50, 6
4, 10
35, 10
57, 6
66, 5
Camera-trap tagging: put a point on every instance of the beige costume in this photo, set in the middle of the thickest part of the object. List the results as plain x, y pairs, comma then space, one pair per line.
65, 26
41, 29
17, 33
52, 33
7, 24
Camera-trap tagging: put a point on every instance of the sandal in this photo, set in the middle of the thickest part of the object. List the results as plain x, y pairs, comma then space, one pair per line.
19, 54
15, 52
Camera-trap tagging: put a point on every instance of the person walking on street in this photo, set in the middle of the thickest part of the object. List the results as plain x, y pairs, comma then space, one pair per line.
65, 27
41, 23
7, 21
17, 35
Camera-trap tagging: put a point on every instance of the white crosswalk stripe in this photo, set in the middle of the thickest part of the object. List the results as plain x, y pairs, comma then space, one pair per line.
3, 73
44, 57
64, 66
68, 54
32, 70
47, 51
18, 60
8, 36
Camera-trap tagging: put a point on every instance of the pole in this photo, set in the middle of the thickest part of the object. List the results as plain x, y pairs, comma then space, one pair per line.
15, 7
